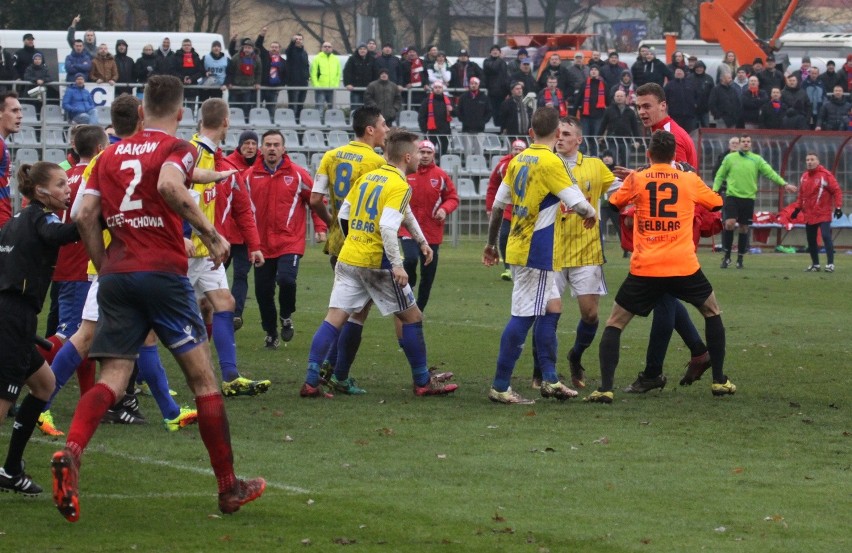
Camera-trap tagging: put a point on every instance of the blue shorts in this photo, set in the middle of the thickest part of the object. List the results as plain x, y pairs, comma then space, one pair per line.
132, 304
72, 298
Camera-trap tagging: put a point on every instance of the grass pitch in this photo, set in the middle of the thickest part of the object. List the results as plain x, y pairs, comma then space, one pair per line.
769, 469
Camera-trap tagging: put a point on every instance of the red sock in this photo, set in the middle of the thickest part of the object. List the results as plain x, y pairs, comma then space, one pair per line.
209, 328
91, 408
86, 375
216, 435
49, 355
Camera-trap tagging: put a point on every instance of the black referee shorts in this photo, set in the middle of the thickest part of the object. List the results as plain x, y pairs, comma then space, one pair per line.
640, 294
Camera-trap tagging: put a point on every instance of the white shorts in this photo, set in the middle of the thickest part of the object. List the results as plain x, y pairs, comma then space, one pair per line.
354, 287
204, 278
531, 290
583, 281
90, 308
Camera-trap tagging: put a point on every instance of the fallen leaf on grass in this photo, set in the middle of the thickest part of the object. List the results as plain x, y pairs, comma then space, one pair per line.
288, 438
442, 456
225, 538
847, 433
278, 413
306, 541
386, 431
498, 518
344, 541
529, 414
214, 516
603, 440
738, 470
646, 423
311, 502
362, 442
506, 530
721, 529
646, 541
492, 426
774, 518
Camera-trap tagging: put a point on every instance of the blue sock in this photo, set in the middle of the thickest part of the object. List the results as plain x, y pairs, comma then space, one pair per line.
414, 346
64, 365
325, 335
585, 335
544, 338
348, 344
511, 346
153, 372
333, 356
226, 344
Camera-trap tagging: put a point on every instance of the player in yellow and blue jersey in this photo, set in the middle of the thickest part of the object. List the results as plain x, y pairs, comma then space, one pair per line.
369, 269
536, 182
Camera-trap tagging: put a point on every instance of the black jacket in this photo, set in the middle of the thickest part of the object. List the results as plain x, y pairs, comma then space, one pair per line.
7, 67
457, 73
752, 104
473, 112
495, 77
771, 118
146, 66
393, 64
22, 59
797, 99
725, 104
619, 122
510, 112
654, 71
298, 68
194, 72
358, 71
681, 98
29, 246
439, 106
703, 85
834, 115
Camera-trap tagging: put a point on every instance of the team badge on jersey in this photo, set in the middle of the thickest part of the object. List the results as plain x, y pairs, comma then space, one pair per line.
288, 180
435, 182
188, 162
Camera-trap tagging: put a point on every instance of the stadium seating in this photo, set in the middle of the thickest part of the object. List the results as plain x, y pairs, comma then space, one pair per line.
30, 114
408, 120
232, 139
285, 117
314, 140
490, 143
25, 155
299, 159
451, 163
316, 158
237, 117
185, 133
336, 119
25, 137
476, 165
104, 115
53, 115
467, 189
310, 119
259, 117
495, 161
188, 120
291, 140
337, 138
54, 155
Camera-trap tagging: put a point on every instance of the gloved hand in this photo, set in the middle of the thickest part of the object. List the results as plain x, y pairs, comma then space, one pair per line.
795, 213
838, 213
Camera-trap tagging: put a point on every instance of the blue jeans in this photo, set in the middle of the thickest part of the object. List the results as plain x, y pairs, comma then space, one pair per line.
323, 98
813, 249
282, 271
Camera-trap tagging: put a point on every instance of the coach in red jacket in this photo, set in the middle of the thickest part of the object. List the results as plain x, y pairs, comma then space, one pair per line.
281, 193
819, 198
246, 153
235, 221
433, 197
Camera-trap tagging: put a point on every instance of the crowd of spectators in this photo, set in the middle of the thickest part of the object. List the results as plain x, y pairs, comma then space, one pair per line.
600, 91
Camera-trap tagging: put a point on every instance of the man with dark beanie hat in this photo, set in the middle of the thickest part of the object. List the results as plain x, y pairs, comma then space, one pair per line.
243, 157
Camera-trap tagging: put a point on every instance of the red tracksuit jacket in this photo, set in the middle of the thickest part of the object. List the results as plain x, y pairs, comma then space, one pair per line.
819, 195
431, 190
281, 199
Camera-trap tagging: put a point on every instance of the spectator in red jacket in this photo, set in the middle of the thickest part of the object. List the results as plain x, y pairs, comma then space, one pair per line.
494, 181
246, 153
819, 198
281, 192
433, 198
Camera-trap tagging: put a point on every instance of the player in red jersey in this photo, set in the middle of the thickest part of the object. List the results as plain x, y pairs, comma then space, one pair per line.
139, 188
494, 181
11, 116
669, 315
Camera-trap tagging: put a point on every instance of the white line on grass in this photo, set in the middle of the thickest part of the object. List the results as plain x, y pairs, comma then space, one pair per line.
173, 465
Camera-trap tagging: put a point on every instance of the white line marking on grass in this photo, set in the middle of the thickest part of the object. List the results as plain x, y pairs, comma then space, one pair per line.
173, 465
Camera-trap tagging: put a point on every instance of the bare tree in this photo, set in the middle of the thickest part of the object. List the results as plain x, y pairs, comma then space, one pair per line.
318, 28
208, 15
162, 15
